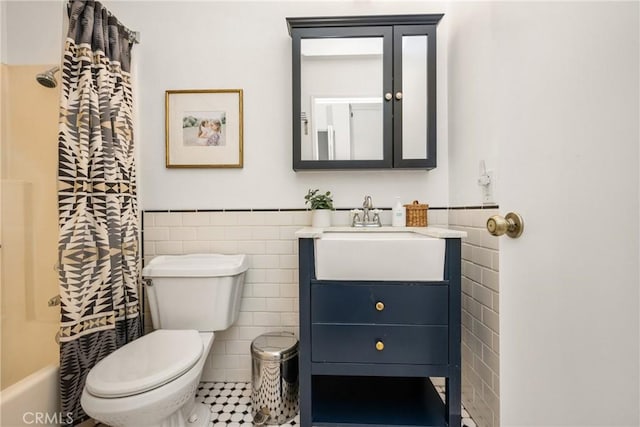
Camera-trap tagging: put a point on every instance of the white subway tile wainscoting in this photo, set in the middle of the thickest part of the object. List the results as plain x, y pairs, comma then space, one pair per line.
480, 332
270, 298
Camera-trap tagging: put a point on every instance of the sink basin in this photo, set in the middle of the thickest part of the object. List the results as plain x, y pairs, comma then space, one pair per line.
379, 255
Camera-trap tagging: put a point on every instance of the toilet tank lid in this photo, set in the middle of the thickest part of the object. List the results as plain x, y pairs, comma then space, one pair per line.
196, 265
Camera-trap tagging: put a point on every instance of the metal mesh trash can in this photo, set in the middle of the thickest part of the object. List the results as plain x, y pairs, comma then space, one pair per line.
274, 372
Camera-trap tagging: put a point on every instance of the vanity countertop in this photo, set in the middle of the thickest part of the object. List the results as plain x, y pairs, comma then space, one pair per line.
440, 233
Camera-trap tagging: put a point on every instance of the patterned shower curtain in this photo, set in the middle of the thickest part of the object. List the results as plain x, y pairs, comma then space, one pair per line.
98, 213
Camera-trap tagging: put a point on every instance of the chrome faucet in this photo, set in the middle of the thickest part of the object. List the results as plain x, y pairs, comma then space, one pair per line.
366, 221
366, 206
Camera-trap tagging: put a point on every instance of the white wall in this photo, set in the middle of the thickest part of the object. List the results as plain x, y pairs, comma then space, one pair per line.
246, 45
3, 51
3, 32
33, 31
471, 84
472, 125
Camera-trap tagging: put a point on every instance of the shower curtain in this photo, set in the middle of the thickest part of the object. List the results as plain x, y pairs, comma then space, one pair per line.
97, 205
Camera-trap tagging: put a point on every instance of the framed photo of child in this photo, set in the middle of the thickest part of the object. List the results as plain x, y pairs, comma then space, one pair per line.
203, 128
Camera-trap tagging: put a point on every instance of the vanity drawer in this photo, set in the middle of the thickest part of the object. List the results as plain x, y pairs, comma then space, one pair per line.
410, 344
389, 304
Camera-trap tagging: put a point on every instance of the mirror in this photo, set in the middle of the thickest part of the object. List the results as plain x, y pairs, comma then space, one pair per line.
341, 103
364, 91
345, 128
414, 101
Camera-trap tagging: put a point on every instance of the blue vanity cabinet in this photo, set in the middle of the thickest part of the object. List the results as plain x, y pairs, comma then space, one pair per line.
368, 348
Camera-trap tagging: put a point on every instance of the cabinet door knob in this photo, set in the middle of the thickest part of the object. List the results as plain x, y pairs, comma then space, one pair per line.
379, 306
388, 96
398, 96
379, 346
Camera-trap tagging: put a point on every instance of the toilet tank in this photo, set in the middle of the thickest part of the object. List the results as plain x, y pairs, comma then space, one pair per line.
196, 291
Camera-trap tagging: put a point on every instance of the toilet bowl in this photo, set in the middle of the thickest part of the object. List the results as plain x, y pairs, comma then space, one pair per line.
159, 397
152, 381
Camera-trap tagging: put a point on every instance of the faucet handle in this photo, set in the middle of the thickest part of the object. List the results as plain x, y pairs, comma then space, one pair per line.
355, 216
376, 216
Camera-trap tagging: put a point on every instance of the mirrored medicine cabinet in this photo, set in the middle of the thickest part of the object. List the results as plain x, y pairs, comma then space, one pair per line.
364, 92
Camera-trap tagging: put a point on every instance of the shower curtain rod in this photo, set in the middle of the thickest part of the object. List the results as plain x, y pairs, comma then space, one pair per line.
132, 36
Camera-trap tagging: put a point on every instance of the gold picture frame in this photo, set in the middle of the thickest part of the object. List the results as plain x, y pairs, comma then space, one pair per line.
203, 128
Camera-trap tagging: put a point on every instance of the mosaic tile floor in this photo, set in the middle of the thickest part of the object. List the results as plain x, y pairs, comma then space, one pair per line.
231, 405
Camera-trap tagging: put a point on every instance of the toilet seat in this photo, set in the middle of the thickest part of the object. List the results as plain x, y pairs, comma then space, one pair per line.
146, 363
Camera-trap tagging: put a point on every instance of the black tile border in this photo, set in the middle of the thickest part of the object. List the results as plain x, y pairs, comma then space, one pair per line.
456, 208
223, 210
435, 208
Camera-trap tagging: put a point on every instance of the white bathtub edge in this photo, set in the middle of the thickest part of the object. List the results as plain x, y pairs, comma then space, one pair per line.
32, 401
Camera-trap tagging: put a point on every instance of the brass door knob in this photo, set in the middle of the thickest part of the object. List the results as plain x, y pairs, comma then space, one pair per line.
512, 225
379, 346
379, 306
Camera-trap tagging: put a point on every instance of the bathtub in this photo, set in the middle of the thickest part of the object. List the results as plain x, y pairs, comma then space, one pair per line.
33, 401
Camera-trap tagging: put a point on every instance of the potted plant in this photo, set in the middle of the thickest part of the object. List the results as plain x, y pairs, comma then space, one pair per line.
321, 205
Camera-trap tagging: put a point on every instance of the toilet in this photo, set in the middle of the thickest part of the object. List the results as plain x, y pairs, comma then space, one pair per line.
152, 381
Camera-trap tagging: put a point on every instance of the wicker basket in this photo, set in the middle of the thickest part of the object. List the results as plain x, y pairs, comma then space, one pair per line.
416, 214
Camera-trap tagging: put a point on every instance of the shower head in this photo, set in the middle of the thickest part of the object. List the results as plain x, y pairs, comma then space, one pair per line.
47, 79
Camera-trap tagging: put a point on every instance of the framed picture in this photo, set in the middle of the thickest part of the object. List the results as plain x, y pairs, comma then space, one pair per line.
203, 128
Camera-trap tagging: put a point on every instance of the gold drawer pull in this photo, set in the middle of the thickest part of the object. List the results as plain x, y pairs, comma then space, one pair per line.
379, 346
379, 306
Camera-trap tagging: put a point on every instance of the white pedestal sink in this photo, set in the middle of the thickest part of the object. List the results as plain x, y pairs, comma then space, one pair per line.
379, 255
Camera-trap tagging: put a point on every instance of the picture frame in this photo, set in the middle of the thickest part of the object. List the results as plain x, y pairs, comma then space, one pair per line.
203, 128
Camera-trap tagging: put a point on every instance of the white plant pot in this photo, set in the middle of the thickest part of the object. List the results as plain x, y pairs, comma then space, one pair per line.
321, 218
